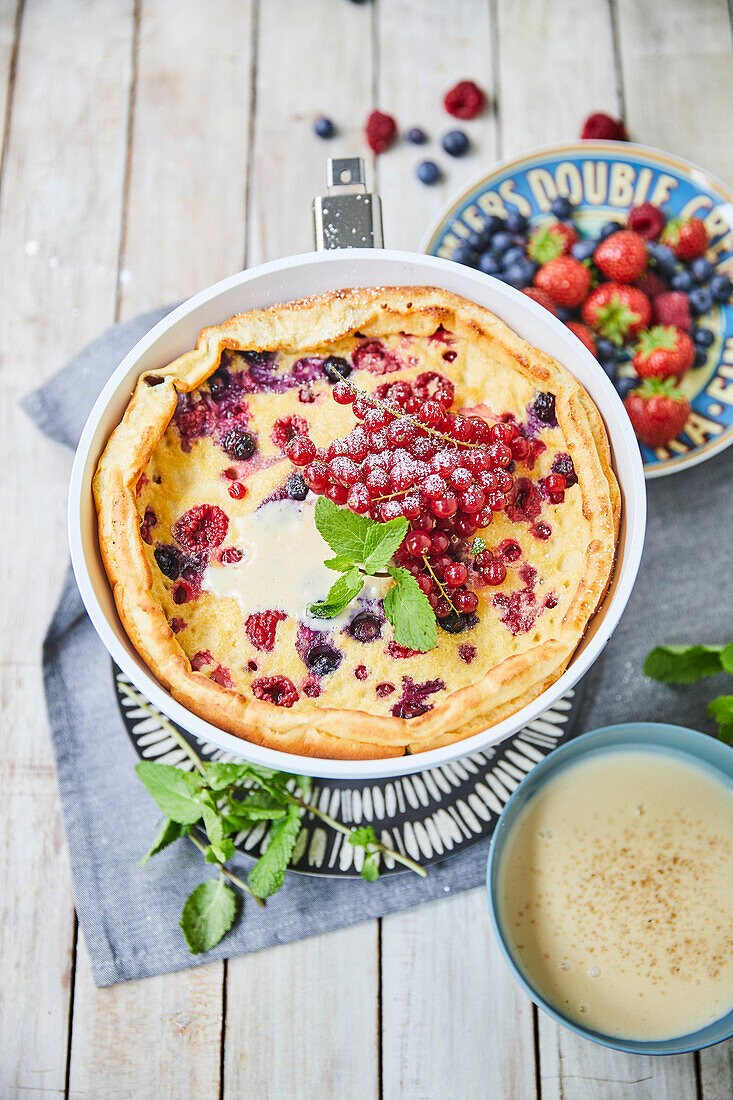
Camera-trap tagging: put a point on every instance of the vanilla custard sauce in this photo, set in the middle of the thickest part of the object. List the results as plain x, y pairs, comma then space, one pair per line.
616, 894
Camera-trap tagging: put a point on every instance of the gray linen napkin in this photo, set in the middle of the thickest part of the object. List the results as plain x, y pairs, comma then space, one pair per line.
129, 915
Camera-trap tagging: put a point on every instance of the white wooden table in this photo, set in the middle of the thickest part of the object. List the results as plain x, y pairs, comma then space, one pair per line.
150, 147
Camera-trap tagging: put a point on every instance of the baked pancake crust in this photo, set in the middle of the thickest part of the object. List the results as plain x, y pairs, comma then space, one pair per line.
180, 451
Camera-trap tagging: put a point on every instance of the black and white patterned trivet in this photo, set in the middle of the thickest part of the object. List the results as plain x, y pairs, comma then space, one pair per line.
426, 816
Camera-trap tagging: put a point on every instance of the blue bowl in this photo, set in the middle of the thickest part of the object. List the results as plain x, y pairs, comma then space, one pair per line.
673, 741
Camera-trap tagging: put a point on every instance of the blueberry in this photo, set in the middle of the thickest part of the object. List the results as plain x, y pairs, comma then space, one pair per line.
417, 136
610, 367
583, 250
322, 659
544, 407
258, 358
609, 228
427, 171
169, 561
624, 386
664, 258
452, 623
521, 273
239, 444
681, 280
701, 269
516, 222
703, 337
465, 255
720, 288
493, 224
296, 487
500, 242
480, 241
701, 356
564, 314
455, 143
324, 127
512, 256
701, 300
605, 349
365, 627
335, 368
562, 207
488, 263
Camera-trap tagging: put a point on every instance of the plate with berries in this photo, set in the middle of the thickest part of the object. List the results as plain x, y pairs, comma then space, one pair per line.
631, 248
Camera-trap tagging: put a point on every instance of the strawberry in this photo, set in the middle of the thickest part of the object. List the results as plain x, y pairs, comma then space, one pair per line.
688, 238
584, 334
663, 352
672, 308
550, 241
621, 257
542, 297
566, 280
658, 411
617, 312
380, 131
647, 220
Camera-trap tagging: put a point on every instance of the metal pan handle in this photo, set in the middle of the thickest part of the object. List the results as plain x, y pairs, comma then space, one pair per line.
347, 216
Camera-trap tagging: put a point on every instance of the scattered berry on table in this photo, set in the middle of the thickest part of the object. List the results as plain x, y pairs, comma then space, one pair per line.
520, 273
681, 280
584, 334
515, 222
603, 127
672, 308
701, 356
465, 100
501, 241
663, 351
610, 366
416, 135
622, 256
380, 131
605, 349
464, 254
609, 228
492, 224
541, 297
663, 258
658, 411
617, 312
566, 280
651, 284
455, 143
428, 172
701, 269
565, 314
701, 300
488, 263
512, 255
647, 220
562, 207
479, 240
702, 337
624, 386
688, 238
583, 250
720, 288
324, 128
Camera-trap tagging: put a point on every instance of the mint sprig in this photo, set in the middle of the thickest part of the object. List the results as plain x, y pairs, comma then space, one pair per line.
222, 799
364, 547
680, 664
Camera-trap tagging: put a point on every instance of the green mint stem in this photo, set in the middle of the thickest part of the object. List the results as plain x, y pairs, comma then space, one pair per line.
227, 873
164, 722
404, 860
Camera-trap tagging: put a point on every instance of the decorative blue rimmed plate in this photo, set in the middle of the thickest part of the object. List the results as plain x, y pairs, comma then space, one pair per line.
603, 180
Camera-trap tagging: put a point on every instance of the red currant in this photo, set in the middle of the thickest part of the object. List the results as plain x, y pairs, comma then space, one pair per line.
442, 608
439, 543
237, 491
401, 432
391, 509
472, 500
316, 476
462, 429
300, 450
444, 506
504, 481
426, 584
337, 493
343, 393
455, 574
431, 414
344, 470
520, 448
496, 501
434, 487
495, 572
377, 481
418, 543
362, 405
465, 525
461, 479
499, 454
358, 499
555, 483
465, 601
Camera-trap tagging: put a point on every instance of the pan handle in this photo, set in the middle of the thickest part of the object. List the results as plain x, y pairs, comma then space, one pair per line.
347, 216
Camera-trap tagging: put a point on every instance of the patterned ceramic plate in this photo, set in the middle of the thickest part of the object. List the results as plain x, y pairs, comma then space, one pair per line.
426, 816
603, 180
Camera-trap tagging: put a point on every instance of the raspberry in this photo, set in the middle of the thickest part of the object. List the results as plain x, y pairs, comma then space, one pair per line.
373, 356
201, 660
647, 220
201, 527
192, 419
260, 628
380, 131
602, 127
464, 100
672, 308
400, 652
231, 556
147, 523
275, 689
286, 428
525, 503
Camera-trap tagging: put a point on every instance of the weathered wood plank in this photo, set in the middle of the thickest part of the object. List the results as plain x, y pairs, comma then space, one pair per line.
326, 69
716, 1072
677, 65
302, 1019
454, 1021
555, 67
413, 92
59, 227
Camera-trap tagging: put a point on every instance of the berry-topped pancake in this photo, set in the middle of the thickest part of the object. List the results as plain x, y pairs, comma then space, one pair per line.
366, 523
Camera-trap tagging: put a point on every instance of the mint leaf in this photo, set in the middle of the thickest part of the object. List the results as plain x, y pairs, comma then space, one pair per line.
170, 831
341, 593
303, 783
370, 869
726, 658
721, 710
382, 541
683, 664
478, 545
224, 851
268, 873
407, 608
259, 805
176, 792
215, 832
218, 776
362, 836
208, 915
339, 564
344, 531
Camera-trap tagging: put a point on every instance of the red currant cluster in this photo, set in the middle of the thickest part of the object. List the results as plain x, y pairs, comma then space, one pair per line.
446, 473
